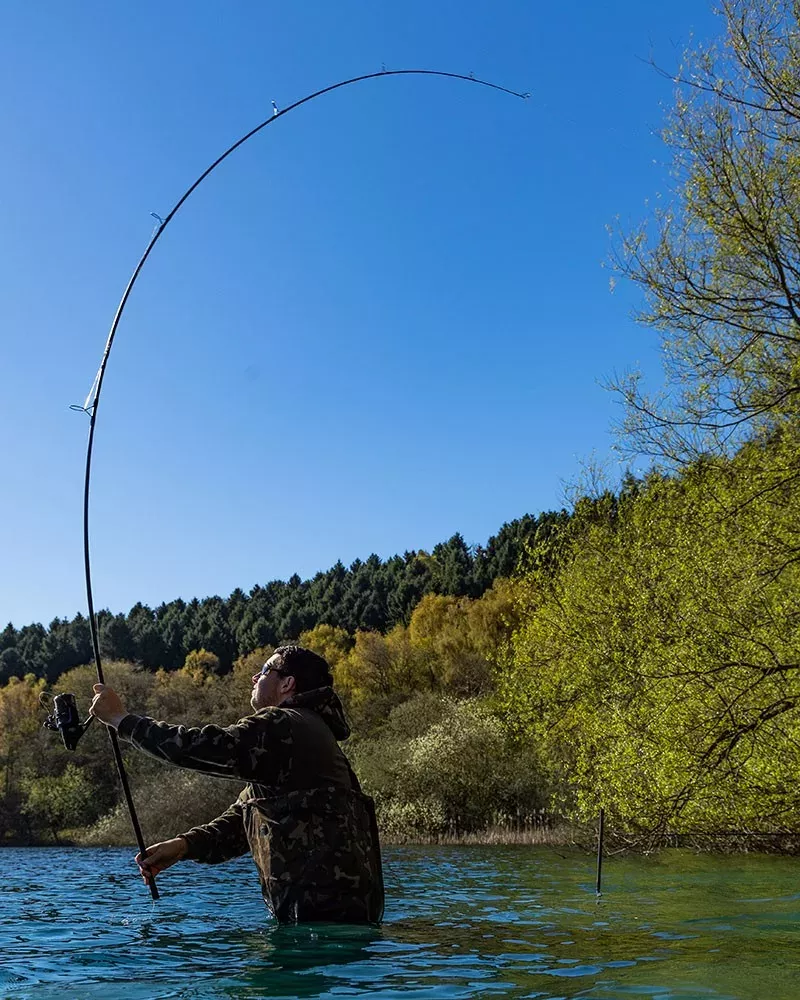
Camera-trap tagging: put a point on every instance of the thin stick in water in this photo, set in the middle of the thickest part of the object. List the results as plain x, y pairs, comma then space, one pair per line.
600, 850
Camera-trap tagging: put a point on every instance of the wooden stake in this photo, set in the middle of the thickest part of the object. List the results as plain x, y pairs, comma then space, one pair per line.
600, 850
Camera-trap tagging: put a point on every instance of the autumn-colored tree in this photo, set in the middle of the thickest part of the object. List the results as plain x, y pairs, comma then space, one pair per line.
20, 744
332, 643
379, 673
463, 640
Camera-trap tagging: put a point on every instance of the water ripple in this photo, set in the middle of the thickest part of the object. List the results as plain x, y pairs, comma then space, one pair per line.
461, 922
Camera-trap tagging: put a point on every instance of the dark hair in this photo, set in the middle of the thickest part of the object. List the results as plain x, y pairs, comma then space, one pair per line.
308, 668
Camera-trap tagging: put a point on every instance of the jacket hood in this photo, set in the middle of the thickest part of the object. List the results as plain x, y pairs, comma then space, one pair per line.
325, 702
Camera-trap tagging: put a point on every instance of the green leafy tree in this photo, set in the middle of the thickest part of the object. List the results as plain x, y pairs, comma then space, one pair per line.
445, 766
58, 801
657, 672
720, 264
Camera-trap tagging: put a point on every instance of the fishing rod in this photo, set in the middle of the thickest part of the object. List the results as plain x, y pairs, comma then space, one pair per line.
91, 403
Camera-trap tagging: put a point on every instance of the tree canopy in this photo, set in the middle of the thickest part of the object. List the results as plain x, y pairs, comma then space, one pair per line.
719, 264
373, 594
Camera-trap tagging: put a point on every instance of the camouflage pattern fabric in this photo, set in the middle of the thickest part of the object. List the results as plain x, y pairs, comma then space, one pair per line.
303, 816
316, 855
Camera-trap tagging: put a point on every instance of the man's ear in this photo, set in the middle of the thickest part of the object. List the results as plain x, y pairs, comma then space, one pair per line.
288, 684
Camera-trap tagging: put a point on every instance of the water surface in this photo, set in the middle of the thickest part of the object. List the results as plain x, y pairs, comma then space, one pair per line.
517, 922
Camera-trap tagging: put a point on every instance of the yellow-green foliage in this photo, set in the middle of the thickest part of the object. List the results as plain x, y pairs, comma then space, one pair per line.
44, 786
441, 765
252, 662
20, 741
169, 802
330, 642
451, 645
59, 801
380, 672
652, 669
202, 662
658, 675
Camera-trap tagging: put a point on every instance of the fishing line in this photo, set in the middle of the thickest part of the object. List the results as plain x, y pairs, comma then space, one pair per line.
92, 400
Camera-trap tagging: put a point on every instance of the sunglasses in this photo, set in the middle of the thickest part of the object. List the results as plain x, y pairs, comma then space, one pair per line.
267, 669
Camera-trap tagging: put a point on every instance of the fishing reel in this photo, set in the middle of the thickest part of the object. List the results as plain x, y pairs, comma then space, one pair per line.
65, 719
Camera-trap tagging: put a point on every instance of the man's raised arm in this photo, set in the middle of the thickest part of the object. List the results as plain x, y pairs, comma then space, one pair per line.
245, 750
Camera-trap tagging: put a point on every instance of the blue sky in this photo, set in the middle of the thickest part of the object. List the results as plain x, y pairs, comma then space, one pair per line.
382, 321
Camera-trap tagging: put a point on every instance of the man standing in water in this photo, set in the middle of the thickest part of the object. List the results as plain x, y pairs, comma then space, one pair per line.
310, 829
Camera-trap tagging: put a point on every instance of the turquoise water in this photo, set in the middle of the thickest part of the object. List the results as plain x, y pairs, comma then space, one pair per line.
460, 923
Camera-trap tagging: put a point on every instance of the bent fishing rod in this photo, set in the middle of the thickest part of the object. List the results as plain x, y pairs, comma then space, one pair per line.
91, 403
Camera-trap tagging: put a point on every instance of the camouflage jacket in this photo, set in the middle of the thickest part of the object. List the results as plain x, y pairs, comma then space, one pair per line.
310, 829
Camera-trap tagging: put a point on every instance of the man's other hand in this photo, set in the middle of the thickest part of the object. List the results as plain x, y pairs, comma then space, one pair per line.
161, 856
107, 706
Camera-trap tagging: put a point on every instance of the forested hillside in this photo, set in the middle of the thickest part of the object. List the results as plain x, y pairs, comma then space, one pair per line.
370, 595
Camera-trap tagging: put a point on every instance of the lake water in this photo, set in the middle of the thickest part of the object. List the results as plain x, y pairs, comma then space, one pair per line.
461, 922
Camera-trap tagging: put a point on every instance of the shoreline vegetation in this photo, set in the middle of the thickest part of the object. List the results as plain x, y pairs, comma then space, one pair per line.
638, 652
558, 834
